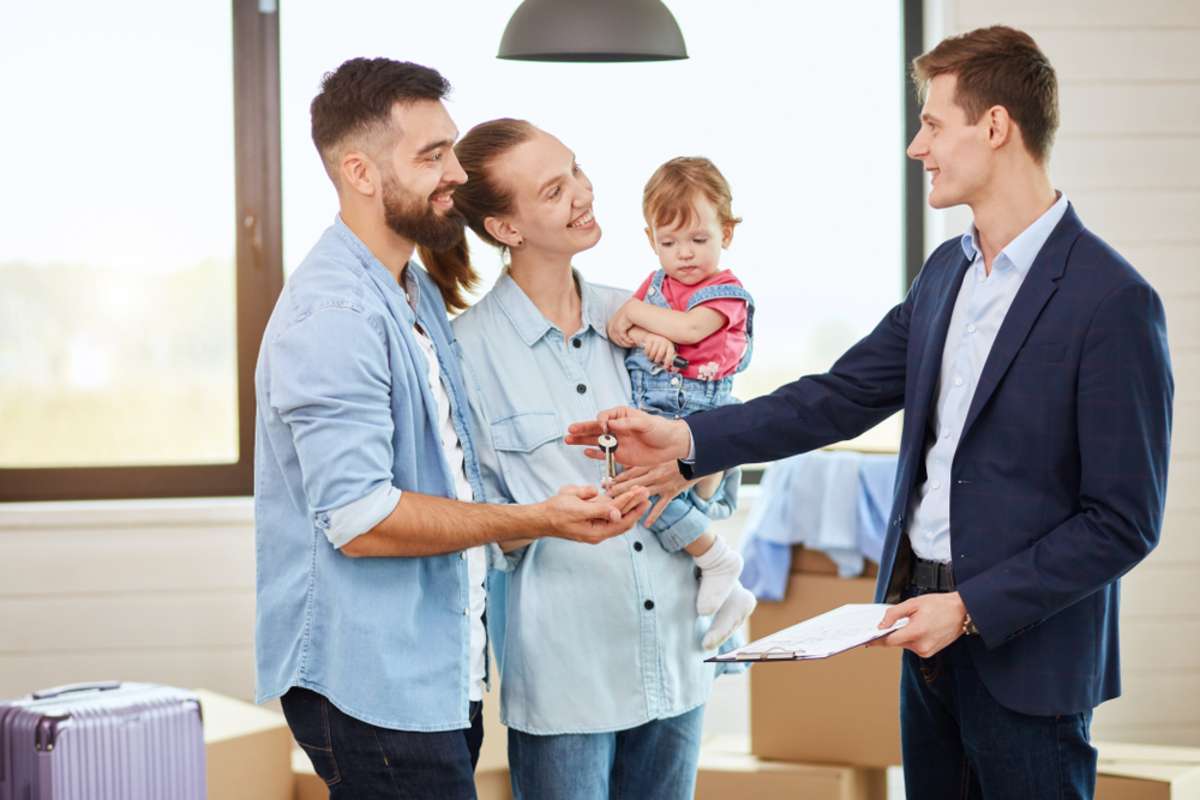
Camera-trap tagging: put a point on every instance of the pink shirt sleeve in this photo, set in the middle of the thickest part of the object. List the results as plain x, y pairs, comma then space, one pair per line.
733, 309
640, 294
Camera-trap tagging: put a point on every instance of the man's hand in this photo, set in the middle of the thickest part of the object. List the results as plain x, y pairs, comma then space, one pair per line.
620, 323
934, 622
660, 350
643, 440
663, 480
582, 514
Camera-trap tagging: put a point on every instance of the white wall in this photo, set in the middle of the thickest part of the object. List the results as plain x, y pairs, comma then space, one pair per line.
149, 590
1128, 156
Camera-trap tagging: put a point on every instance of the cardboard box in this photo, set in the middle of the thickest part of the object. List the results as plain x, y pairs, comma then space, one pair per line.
1147, 772
248, 750
840, 710
727, 770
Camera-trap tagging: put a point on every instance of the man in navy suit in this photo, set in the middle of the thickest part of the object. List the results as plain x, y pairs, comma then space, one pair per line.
1031, 360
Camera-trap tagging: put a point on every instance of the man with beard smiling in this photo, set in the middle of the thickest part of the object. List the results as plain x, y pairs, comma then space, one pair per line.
371, 559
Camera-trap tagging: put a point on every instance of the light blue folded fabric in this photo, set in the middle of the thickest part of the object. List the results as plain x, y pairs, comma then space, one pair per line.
835, 502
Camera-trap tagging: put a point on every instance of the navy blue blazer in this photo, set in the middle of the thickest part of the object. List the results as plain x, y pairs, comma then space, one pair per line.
1060, 474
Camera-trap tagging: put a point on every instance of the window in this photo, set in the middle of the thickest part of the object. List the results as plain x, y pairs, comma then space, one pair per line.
143, 242
135, 263
799, 104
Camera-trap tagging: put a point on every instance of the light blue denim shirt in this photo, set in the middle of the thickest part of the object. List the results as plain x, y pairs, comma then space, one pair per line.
979, 310
589, 638
346, 422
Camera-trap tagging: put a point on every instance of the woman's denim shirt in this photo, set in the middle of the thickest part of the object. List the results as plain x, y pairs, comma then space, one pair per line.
345, 423
589, 638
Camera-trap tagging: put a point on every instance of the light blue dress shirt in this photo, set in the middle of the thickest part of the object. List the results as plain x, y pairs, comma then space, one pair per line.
983, 301
346, 421
590, 638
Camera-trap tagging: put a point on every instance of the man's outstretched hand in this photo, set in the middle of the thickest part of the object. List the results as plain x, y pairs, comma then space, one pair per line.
583, 514
643, 440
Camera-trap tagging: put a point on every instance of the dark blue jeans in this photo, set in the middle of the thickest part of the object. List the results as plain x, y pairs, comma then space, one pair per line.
359, 761
958, 742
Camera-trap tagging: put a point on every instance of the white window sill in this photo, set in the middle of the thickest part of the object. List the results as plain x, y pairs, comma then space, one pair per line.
198, 511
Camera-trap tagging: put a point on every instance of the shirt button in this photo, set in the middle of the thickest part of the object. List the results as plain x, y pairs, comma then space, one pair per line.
637, 546
463, 555
651, 290
970, 329
649, 604
577, 343
937, 484
467, 611
946, 433
674, 381
581, 388
958, 380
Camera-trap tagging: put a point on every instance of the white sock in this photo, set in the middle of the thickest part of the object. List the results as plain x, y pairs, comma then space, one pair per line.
719, 570
730, 616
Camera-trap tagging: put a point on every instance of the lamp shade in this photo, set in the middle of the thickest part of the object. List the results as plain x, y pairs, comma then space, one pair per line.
592, 30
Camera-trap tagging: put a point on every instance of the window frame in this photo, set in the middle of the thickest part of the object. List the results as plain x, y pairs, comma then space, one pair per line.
259, 266
259, 279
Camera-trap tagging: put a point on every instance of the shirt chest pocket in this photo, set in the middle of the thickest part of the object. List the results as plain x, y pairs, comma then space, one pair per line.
525, 433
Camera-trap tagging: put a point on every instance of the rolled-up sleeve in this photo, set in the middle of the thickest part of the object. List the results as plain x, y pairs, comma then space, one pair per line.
330, 382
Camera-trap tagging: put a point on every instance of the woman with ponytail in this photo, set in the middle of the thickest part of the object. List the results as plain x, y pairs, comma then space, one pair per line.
603, 674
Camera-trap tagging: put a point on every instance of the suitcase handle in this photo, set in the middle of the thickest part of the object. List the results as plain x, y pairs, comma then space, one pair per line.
101, 686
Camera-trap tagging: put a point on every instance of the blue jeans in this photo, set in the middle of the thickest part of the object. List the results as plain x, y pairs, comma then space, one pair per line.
359, 761
958, 742
655, 761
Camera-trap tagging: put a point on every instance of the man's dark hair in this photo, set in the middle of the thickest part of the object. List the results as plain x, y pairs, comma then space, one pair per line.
998, 66
359, 96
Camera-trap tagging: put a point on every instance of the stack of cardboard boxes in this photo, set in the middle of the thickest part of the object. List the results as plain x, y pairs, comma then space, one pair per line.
818, 729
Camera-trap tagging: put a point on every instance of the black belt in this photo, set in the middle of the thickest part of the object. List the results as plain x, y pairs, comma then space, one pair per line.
932, 575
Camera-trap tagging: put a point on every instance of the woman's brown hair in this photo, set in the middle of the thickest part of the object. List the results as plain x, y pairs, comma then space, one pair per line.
477, 199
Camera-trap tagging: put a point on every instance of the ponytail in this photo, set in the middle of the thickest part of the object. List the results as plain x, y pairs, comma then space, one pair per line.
477, 199
451, 270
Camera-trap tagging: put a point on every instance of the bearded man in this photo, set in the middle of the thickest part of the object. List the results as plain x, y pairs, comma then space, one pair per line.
371, 553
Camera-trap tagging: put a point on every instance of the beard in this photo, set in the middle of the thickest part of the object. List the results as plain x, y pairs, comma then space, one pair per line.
415, 219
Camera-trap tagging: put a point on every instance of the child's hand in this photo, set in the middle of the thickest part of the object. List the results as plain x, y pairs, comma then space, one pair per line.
620, 323
660, 350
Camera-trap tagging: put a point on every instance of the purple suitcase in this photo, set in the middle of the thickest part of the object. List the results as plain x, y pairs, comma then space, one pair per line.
102, 741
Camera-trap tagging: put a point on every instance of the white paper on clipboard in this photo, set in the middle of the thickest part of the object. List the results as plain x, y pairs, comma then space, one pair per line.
823, 636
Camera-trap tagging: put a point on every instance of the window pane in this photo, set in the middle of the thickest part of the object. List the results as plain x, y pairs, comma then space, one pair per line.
798, 104
117, 334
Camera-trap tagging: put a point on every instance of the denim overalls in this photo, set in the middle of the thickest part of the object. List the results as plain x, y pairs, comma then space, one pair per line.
669, 394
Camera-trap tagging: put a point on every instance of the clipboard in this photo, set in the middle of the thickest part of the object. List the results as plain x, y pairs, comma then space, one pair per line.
829, 634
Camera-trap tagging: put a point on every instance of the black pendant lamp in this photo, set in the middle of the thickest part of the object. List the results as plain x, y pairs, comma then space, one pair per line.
592, 30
